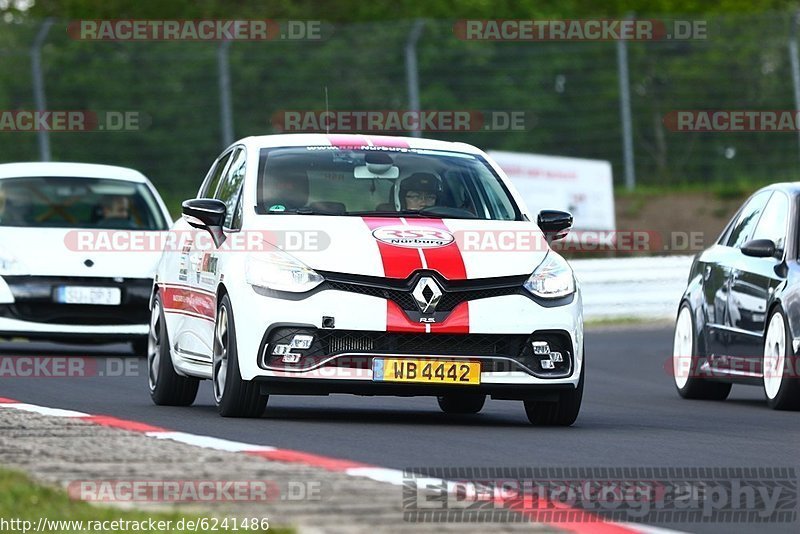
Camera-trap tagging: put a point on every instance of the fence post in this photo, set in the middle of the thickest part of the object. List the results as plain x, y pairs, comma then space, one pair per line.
625, 111
225, 107
40, 101
412, 74
794, 58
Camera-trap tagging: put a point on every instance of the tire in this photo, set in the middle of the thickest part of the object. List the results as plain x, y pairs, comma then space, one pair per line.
234, 397
563, 412
685, 350
782, 391
167, 388
461, 403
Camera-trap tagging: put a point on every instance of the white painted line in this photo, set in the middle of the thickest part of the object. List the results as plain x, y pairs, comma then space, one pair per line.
379, 474
647, 529
208, 442
43, 410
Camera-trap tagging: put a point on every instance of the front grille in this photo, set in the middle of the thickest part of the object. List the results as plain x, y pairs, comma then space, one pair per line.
339, 341
328, 343
399, 291
34, 302
76, 314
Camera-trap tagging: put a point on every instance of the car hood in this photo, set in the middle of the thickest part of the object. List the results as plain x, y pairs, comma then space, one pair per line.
57, 252
396, 247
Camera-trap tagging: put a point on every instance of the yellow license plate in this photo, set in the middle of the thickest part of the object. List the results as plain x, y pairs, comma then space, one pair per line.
426, 371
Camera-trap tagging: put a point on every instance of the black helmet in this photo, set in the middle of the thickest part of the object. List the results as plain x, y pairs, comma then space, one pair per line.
425, 182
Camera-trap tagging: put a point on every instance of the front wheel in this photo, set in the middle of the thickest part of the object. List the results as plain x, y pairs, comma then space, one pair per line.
562, 412
167, 388
782, 388
234, 396
686, 362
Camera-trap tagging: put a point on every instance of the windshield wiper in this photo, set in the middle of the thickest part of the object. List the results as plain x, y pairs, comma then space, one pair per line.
387, 213
302, 211
435, 212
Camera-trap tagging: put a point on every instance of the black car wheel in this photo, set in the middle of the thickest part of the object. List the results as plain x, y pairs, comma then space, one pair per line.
167, 388
686, 362
781, 383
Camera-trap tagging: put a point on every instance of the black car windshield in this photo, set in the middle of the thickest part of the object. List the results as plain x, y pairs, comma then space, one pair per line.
402, 182
67, 202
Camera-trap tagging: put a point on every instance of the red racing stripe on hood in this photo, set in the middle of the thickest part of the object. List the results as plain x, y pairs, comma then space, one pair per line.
456, 323
398, 321
447, 260
398, 262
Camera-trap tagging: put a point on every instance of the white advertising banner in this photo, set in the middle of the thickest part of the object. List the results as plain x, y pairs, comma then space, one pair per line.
583, 187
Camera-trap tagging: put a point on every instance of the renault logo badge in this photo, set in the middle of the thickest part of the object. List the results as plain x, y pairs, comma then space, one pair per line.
427, 294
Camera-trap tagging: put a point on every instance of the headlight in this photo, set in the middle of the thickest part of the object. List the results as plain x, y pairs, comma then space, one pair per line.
280, 272
553, 278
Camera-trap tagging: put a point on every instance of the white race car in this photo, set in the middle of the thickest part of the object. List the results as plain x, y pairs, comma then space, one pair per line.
58, 281
318, 264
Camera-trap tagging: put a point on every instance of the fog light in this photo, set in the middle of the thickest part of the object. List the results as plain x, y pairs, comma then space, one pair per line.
541, 348
301, 341
556, 357
291, 358
278, 350
548, 364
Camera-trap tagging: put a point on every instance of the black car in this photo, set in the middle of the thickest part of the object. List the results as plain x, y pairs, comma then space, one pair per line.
739, 318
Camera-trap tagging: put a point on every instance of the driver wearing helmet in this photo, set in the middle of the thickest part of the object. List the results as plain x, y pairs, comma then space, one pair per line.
419, 191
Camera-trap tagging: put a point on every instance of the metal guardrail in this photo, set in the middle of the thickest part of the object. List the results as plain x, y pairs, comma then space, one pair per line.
642, 288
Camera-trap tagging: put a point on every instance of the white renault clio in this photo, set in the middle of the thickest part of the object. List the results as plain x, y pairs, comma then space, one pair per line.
321, 264
57, 280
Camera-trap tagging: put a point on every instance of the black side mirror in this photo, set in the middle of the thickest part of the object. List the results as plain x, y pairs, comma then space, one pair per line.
554, 224
206, 214
759, 248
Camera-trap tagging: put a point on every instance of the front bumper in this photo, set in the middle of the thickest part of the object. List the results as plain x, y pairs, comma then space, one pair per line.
28, 309
503, 316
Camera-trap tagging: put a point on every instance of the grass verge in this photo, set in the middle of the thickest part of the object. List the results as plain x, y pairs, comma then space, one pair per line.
24, 502
626, 321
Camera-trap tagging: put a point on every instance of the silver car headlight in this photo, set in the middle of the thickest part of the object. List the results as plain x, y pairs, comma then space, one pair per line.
553, 278
279, 271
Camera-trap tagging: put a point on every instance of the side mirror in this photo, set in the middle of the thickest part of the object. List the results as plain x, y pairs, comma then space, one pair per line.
759, 248
554, 224
206, 214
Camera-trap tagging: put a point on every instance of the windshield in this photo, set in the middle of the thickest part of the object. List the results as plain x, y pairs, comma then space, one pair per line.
326, 180
66, 202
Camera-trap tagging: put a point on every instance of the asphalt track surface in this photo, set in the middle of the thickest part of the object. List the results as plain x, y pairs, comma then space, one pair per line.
631, 417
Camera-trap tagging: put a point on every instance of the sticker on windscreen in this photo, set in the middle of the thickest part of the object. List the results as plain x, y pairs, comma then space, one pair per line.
413, 236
